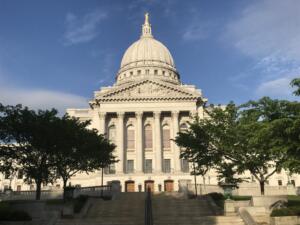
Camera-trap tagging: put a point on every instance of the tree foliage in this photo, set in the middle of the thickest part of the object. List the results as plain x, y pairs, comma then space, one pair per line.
254, 137
47, 147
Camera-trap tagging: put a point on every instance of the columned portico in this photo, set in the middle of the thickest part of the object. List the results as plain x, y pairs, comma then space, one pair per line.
158, 149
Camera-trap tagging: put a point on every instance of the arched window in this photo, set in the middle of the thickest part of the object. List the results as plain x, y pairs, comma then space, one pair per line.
183, 127
130, 138
166, 137
148, 137
112, 133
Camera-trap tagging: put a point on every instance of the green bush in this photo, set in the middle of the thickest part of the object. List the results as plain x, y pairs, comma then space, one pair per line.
240, 198
218, 198
79, 203
286, 212
10, 214
293, 208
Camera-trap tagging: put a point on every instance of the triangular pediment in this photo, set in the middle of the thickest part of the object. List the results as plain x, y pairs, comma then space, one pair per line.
146, 90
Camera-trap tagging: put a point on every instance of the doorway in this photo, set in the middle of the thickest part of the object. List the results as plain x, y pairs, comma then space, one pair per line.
169, 185
129, 186
149, 184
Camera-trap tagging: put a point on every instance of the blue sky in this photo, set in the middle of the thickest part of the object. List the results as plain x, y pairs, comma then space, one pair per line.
57, 53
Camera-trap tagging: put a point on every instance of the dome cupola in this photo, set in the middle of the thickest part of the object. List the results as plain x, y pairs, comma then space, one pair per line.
147, 57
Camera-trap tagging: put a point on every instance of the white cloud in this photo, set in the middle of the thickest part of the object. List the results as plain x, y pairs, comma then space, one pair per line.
268, 31
267, 27
84, 29
40, 98
278, 88
197, 31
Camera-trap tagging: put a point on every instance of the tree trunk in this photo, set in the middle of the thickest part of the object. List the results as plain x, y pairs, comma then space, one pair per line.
195, 179
102, 174
262, 187
65, 185
38, 190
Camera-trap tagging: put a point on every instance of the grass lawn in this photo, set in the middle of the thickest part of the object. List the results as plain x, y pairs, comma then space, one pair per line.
293, 207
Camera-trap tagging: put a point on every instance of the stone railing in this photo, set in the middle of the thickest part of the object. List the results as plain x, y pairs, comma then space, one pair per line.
30, 195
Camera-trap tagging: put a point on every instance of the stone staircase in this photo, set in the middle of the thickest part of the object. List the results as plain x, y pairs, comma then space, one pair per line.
127, 209
168, 209
173, 209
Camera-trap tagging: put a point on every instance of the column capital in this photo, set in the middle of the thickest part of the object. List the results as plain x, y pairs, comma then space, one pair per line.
193, 113
121, 114
175, 113
139, 114
102, 114
157, 113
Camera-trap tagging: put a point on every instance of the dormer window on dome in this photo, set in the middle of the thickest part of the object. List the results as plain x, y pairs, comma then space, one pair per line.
147, 58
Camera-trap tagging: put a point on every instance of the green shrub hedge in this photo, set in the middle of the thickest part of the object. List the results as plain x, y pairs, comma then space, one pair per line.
293, 208
218, 198
79, 203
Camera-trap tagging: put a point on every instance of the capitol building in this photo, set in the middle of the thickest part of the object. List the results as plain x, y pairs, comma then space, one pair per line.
141, 113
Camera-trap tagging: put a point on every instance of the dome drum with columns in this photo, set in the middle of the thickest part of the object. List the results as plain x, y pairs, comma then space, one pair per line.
147, 57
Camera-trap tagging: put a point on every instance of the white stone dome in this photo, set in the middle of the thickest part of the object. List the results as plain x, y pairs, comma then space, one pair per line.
147, 57
147, 50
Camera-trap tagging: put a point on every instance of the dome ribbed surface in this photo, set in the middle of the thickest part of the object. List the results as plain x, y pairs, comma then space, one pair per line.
147, 51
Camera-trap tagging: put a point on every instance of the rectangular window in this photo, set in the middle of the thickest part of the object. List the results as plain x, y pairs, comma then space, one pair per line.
167, 165
20, 174
148, 138
6, 176
6, 187
148, 166
185, 165
111, 169
130, 139
166, 138
130, 166
155, 72
293, 183
280, 182
139, 72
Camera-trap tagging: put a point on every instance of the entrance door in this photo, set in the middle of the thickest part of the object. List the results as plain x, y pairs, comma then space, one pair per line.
129, 186
169, 185
149, 184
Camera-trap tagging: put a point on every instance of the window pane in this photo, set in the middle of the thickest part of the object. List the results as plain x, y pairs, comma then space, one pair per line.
130, 166
148, 166
130, 139
184, 166
148, 137
112, 134
167, 165
166, 138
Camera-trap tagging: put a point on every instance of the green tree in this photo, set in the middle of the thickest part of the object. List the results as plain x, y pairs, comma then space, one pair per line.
79, 149
296, 83
27, 135
196, 147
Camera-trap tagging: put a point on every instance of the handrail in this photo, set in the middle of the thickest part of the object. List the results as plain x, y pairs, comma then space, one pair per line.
148, 209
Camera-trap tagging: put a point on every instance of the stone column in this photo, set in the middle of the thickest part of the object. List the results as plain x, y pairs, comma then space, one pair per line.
120, 142
175, 121
158, 149
139, 142
102, 116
